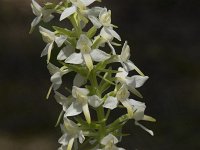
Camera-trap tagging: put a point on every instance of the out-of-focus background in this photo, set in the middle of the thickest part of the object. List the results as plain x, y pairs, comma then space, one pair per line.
164, 36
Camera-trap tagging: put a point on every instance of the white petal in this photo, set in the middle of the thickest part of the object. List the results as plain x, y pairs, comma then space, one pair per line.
105, 17
35, 22
114, 34
60, 40
81, 91
131, 66
95, 21
56, 79
144, 128
125, 54
139, 109
106, 34
61, 99
74, 109
137, 81
65, 52
45, 50
123, 93
64, 139
83, 42
129, 108
47, 18
47, 15
122, 74
112, 48
49, 52
98, 55
79, 80
109, 139
95, 101
94, 11
111, 103
47, 35
149, 118
52, 68
81, 137
137, 104
67, 12
87, 2
70, 125
36, 8
134, 91
75, 58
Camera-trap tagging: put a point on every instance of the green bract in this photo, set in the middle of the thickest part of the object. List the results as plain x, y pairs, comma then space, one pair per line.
97, 88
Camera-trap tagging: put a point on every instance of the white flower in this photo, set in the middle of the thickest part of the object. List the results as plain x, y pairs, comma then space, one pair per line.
56, 75
107, 32
109, 142
133, 82
76, 4
80, 104
50, 37
124, 59
121, 96
103, 20
71, 133
41, 14
87, 54
139, 108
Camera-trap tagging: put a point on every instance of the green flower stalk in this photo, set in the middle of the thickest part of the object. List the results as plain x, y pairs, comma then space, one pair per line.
90, 53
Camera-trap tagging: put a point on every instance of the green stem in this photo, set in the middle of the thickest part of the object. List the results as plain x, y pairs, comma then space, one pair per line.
100, 109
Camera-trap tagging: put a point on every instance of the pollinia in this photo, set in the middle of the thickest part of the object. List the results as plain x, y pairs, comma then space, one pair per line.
88, 45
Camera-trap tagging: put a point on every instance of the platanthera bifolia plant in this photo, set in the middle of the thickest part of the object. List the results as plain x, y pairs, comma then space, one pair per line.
85, 42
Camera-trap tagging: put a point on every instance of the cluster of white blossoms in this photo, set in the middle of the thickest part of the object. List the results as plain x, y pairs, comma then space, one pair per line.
89, 48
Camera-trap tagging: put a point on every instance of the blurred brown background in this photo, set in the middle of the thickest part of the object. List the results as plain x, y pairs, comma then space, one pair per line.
165, 40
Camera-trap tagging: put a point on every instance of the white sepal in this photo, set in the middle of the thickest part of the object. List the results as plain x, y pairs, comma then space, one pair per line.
125, 54
114, 33
95, 101
95, 21
111, 103
65, 52
75, 58
74, 109
68, 12
60, 40
98, 55
83, 43
109, 138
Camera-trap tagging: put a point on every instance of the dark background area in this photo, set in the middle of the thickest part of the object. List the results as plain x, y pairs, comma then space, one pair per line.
165, 39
